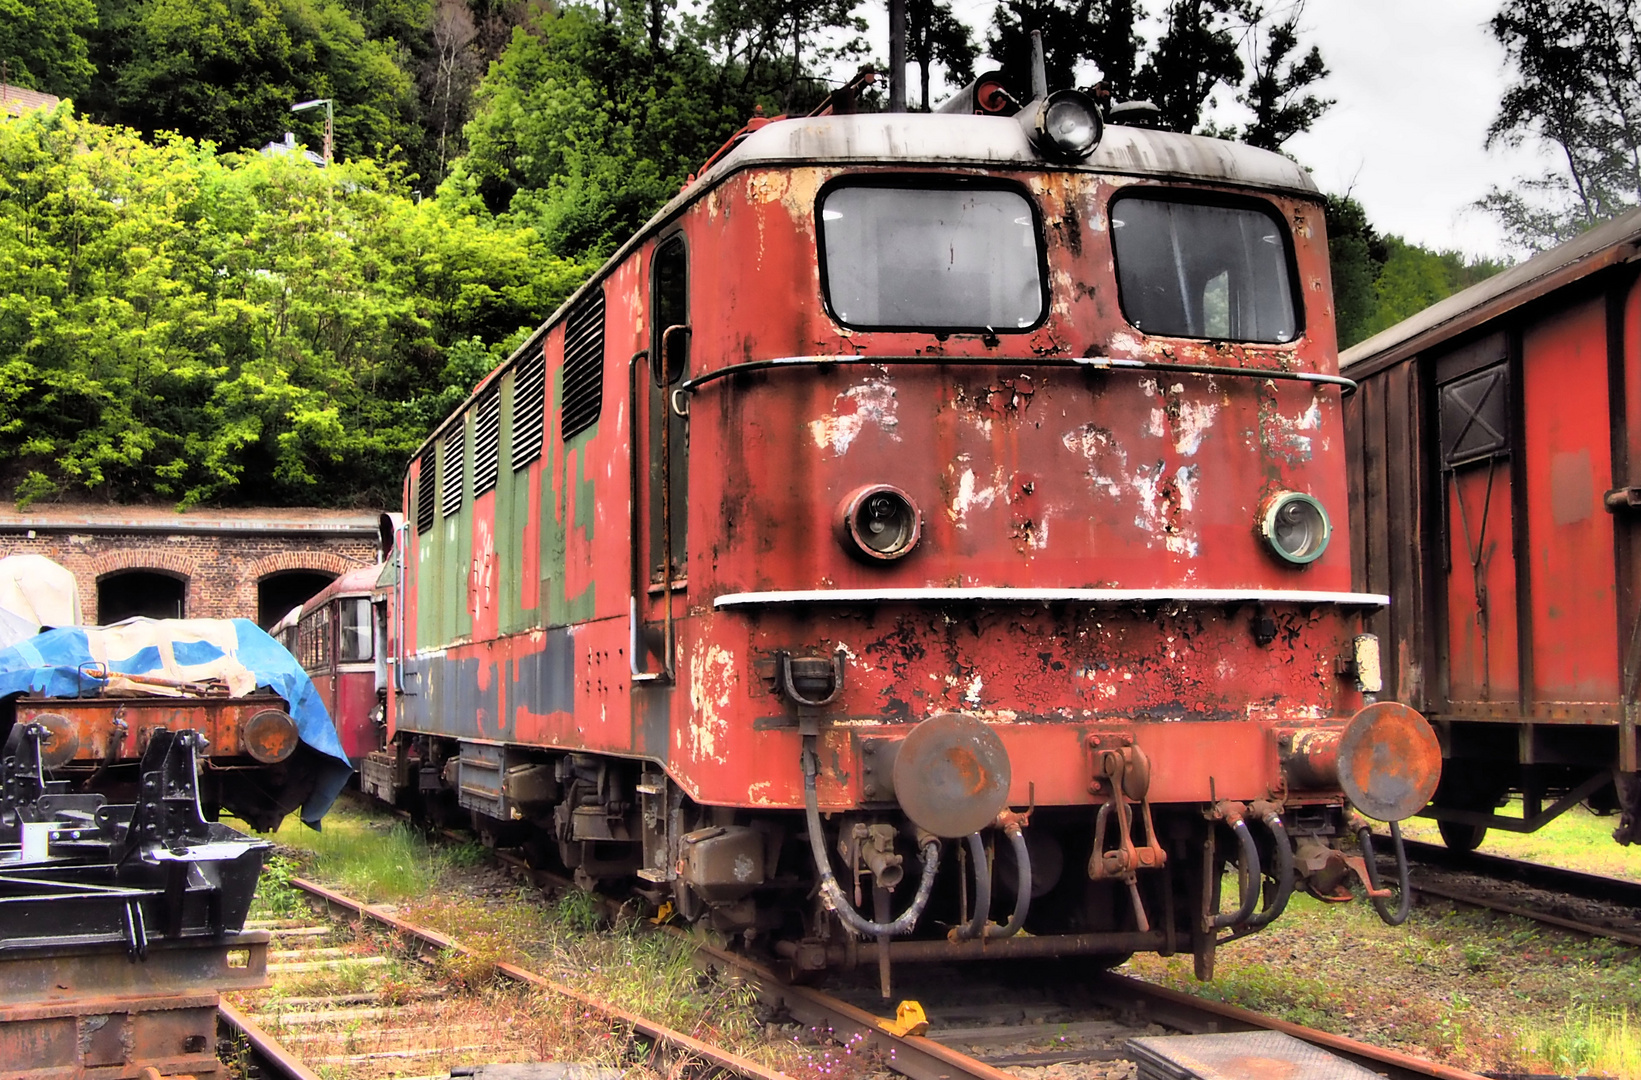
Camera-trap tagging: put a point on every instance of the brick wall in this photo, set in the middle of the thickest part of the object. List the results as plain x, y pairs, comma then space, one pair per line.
221, 558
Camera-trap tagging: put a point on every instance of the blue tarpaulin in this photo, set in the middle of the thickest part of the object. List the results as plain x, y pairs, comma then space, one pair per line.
68, 662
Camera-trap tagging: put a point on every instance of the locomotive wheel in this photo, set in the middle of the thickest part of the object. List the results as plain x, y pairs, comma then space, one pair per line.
1460, 837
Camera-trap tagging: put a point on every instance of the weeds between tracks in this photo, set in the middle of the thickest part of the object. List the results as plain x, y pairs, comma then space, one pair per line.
454, 889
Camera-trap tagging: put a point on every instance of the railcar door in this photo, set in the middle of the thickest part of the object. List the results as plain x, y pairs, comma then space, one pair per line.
1475, 422
660, 550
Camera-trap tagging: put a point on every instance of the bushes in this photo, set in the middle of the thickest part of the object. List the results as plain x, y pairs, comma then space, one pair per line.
229, 328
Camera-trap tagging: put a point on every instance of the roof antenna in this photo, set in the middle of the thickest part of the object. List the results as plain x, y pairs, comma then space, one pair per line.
1039, 70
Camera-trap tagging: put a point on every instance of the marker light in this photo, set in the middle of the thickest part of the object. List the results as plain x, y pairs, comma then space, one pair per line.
1295, 526
880, 523
1065, 125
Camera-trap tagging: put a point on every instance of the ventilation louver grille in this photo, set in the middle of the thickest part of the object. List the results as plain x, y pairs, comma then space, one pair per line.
450, 491
426, 478
583, 366
529, 403
487, 441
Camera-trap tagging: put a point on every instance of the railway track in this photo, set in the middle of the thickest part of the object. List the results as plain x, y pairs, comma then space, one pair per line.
1591, 904
399, 1025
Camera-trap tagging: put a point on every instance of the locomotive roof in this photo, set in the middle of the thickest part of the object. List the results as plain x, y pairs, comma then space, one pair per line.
924, 140
992, 141
1616, 241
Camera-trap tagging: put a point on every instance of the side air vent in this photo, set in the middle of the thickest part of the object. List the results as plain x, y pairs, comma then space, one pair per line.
426, 481
450, 492
487, 441
583, 366
529, 403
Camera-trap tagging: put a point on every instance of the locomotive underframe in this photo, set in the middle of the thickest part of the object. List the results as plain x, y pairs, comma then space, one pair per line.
746, 871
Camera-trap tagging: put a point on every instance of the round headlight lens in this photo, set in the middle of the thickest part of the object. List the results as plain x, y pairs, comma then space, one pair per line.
880, 522
1295, 526
1066, 125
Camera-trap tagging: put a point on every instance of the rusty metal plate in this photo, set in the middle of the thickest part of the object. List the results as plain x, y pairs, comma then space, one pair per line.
952, 775
1243, 1055
269, 736
61, 741
1389, 761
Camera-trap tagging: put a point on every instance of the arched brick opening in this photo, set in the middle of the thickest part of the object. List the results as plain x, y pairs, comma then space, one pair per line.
324, 562
158, 594
277, 593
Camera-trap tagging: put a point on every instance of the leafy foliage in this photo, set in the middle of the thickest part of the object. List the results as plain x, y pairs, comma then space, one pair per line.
237, 328
43, 45
1203, 46
1380, 280
1577, 92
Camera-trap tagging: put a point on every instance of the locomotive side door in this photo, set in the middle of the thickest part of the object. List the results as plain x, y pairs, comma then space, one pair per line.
663, 464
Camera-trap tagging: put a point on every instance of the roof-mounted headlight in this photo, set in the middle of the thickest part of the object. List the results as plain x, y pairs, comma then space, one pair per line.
1064, 125
1295, 526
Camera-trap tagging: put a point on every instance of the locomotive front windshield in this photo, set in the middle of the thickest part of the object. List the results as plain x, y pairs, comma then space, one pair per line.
931, 258
1197, 270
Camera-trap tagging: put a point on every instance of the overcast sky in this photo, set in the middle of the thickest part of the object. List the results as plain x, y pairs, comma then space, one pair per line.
1416, 83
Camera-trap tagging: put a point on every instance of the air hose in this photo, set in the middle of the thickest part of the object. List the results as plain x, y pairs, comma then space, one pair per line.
976, 926
1022, 894
1404, 903
831, 894
1248, 878
1284, 868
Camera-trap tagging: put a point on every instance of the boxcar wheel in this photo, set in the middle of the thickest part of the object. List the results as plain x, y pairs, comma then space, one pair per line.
1460, 837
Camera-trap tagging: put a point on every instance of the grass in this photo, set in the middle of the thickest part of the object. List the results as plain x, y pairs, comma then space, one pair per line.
1474, 989
1577, 840
444, 888
370, 858
1589, 1041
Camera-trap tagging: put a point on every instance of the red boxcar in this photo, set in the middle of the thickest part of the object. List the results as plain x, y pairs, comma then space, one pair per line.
946, 476
1491, 452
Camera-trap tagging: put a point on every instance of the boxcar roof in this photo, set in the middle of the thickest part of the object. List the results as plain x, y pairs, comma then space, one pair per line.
1608, 244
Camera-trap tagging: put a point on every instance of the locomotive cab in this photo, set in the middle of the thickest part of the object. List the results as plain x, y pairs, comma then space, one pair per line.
923, 531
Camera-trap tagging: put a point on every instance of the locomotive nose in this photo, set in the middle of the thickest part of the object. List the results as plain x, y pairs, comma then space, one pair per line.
952, 775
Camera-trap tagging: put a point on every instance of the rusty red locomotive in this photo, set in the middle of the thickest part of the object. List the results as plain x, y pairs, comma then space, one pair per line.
921, 531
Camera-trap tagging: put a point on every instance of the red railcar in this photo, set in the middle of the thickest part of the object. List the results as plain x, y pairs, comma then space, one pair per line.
1493, 449
948, 476
344, 640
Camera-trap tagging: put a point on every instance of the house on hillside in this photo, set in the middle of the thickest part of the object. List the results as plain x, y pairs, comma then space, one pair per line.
16, 100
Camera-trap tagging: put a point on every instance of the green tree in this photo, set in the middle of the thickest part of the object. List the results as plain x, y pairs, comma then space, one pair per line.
228, 71
234, 328
1576, 91
935, 35
1279, 92
1356, 254
1197, 52
584, 132
43, 45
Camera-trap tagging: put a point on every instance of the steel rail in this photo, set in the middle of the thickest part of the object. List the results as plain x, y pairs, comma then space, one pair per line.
1575, 883
660, 1034
1578, 883
1173, 1008
265, 1046
922, 1058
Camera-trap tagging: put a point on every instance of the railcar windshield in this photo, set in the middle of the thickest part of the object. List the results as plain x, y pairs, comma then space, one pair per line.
1191, 269
355, 627
950, 258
